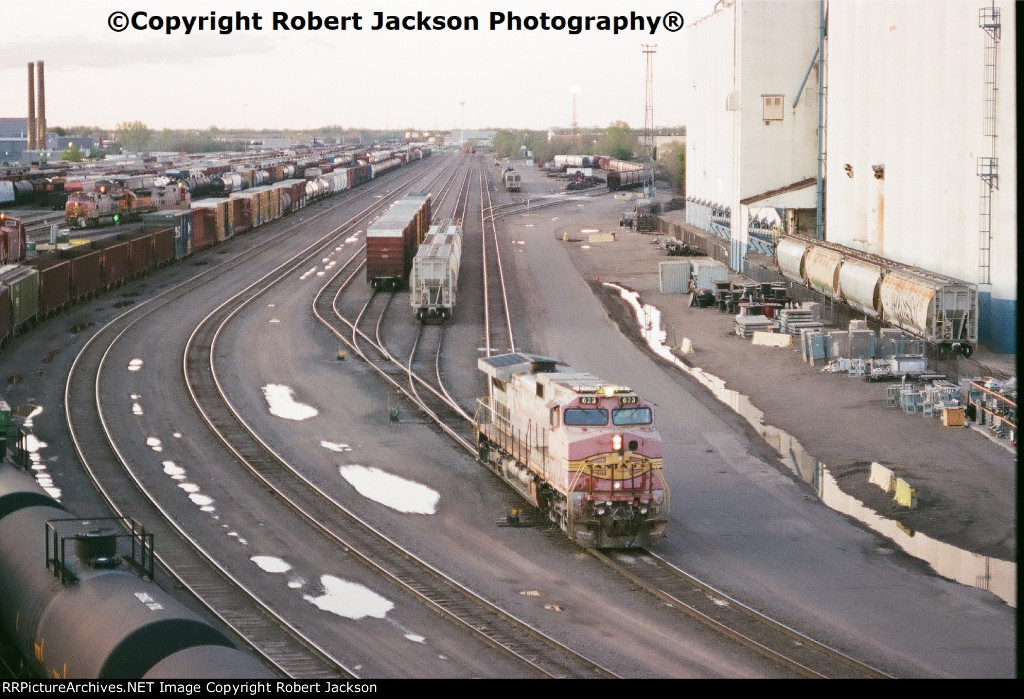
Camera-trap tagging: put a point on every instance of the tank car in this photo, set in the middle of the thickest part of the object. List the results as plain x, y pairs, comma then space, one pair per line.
77, 608
584, 451
434, 278
392, 241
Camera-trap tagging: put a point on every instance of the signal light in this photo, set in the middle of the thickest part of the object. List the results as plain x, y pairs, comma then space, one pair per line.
103, 189
117, 217
617, 443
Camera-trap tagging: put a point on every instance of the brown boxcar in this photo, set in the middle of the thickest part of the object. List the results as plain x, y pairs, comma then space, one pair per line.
202, 229
392, 241
54, 283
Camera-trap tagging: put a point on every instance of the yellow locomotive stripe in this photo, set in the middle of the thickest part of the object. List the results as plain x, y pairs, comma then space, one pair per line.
611, 466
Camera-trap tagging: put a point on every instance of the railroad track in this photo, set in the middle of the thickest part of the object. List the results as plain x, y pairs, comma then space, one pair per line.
225, 596
355, 537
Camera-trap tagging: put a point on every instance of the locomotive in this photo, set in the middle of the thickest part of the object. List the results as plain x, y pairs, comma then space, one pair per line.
584, 451
112, 204
13, 240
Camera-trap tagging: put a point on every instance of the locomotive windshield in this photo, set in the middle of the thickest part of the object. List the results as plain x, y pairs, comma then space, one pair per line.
585, 417
632, 416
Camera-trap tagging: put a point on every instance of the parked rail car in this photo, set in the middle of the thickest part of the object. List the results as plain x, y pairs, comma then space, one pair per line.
939, 309
434, 279
110, 205
31, 292
584, 451
392, 241
23, 284
6, 326
77, 609
625, 179
513, 180
617, 165
13, 240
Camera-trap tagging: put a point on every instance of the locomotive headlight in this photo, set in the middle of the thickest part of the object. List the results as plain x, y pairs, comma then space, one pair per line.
600, 510
643, 510
617, 442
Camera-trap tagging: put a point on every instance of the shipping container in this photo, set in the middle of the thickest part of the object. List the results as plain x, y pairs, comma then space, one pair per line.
674, 276
705, 272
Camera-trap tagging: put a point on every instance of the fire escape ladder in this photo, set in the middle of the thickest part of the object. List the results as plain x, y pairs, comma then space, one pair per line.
988, 166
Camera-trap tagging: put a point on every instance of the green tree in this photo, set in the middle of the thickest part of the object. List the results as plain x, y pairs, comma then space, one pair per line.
672, 162
618, 141
72, 154
133, 135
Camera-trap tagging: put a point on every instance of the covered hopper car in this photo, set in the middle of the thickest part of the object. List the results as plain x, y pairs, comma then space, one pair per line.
584, 451
434, 279
939, 309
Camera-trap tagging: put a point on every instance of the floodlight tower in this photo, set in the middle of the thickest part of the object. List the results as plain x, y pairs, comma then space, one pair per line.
575, 90
649, 51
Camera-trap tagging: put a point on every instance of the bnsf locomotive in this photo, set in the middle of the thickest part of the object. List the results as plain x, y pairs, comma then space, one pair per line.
582, 450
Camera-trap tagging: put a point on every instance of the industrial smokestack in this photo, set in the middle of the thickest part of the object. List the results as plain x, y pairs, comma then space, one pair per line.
30, 128
41, 122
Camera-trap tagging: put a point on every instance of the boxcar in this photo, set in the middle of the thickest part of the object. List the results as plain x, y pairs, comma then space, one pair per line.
392, 240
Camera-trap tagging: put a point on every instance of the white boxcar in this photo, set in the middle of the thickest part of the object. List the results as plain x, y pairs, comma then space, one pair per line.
434, 279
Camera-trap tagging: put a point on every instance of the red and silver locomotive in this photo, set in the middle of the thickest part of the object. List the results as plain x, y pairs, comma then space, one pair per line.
582, 450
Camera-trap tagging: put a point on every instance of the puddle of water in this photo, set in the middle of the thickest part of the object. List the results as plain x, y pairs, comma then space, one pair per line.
350, 600
271, 564
283, 404
391, 490
997, 576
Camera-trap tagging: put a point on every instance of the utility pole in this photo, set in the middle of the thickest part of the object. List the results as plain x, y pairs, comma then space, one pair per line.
649, 51
462, 140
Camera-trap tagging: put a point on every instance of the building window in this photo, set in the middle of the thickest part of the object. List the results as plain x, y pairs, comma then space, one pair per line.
772, 107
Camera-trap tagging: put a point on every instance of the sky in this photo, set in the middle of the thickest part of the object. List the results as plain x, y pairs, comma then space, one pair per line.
285, 75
